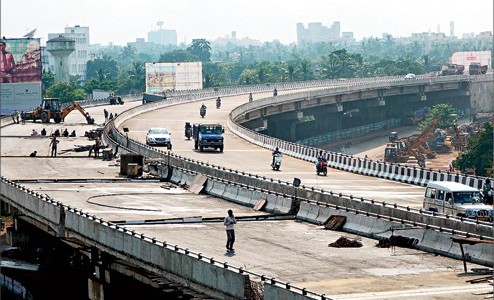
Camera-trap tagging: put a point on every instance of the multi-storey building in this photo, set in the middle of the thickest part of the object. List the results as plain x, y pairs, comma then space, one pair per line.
163, 37
316, 32
79, 58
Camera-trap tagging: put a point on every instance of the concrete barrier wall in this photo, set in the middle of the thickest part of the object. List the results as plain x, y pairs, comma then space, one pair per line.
429, 240
274, 292
31, 203
156, 256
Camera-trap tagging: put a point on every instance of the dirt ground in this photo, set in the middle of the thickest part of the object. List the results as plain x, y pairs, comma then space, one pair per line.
373, 146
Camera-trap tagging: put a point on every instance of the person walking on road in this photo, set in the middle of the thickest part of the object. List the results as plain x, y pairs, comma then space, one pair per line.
230, 230
54, 142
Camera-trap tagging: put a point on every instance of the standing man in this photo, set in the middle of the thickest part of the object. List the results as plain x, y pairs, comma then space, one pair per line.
7, 64
230, 230
54, 142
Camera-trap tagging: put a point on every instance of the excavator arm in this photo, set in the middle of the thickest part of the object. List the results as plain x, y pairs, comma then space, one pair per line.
74, 105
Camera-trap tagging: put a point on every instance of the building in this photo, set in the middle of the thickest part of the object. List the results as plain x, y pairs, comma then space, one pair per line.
316, 32
78, 59
163, 37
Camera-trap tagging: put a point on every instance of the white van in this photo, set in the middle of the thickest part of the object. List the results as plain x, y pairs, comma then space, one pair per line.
456, 199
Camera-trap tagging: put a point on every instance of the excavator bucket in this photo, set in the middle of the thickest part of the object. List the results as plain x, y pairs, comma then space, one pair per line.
89, 120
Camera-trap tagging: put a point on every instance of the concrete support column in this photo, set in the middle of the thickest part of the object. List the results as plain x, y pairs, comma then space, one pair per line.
97, 283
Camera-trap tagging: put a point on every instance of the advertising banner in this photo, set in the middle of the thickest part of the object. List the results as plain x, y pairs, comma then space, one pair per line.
163, 77
20, 60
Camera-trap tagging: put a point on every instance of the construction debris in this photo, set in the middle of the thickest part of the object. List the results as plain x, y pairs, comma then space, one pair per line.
335, 222
397, 240
344, 242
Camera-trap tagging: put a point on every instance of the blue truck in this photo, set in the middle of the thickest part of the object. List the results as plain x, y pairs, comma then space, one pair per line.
208, 136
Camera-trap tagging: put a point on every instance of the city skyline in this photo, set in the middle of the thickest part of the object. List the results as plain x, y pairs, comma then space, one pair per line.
259, 20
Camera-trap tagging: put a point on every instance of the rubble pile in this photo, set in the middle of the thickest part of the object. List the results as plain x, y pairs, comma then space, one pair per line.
344, 242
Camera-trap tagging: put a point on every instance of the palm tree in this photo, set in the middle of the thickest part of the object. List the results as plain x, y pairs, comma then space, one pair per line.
127, 53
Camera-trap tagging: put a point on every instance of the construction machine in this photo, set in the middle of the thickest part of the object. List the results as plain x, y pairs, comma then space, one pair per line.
411, 149
51, 108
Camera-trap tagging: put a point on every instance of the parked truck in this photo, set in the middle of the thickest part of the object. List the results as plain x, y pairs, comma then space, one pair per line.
452, 69
208, 136
476, 68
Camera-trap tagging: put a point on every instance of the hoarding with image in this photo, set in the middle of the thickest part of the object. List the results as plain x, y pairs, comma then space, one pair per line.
163, 77
20, 60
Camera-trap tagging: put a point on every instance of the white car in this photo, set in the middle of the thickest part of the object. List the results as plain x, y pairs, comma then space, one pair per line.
159, 137
410, 76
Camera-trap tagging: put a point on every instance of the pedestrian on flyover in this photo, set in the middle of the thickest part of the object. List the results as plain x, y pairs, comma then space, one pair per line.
54, 142
106, 115
230, 230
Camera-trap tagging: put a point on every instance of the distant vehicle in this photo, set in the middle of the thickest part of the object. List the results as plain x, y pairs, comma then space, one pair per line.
159, 137
456, 199
393, 136
476, 68
410, 76
452, 69
208, 136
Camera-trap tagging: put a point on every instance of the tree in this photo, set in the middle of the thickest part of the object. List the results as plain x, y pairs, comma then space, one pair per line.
107, 64
445, 112
127, 53
178, 55
66, 92
201, 48
478, 153
48, 78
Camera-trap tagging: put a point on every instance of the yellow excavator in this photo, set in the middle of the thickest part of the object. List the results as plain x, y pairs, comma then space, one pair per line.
412, 148
51, 108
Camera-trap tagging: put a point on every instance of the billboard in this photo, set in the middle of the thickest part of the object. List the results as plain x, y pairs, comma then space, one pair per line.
467, 57
163, 77
21, 96
20, 60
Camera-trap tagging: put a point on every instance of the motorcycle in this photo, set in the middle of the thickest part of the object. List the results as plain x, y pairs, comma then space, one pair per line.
322, 167
188, 133
277, 162
250, 97
275, 92
202, 111
218, 103
487, 196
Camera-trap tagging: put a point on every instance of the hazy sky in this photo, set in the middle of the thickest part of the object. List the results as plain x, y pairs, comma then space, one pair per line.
122, 21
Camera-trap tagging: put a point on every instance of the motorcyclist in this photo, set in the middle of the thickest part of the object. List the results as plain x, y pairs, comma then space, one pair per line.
320, 158
275, 92
487, 191
188, 128
250, 97
218, 102
275, 152
203, 110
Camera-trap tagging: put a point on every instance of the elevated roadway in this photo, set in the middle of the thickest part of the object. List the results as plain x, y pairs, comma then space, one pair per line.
294, 252
246, 157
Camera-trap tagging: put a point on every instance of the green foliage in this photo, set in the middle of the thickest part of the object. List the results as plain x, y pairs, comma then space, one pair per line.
201, 48
445, 112
176, 56
66, 92
478, 154
48, 78
102, 68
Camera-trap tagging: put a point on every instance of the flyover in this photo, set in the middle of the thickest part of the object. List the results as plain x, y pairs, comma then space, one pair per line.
259, 164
